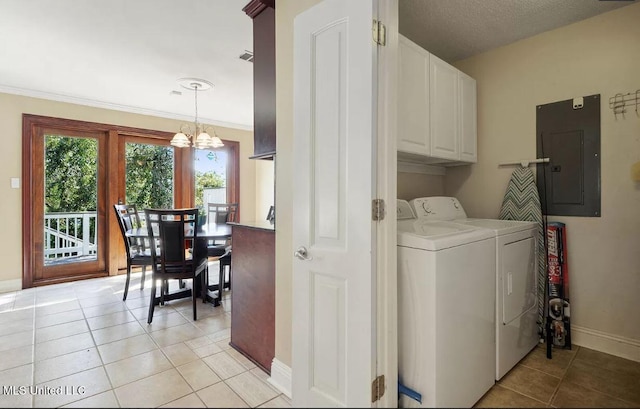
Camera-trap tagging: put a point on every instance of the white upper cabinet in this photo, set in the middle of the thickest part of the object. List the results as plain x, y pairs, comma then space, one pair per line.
436, 108
467, 110
444, 110
413, 98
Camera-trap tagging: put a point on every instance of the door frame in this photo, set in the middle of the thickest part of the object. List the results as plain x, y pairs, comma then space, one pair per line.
386, 186
32, 126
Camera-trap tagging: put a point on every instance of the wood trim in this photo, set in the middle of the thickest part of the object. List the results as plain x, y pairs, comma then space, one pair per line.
233, 171
73, 124
255, 7
115, 246
27, 158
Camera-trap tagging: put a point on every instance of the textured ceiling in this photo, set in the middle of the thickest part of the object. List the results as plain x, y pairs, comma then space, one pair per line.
458, 29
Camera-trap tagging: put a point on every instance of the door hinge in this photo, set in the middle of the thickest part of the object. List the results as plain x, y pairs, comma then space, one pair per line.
377, 388
379, 33
377, 209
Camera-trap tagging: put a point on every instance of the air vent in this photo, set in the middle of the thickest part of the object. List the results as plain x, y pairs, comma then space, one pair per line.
247, 56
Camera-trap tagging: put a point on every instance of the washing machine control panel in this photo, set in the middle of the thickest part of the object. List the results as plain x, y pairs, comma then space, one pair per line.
404, 210
438, 208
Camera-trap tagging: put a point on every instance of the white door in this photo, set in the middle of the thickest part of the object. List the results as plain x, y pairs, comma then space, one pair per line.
443, 101
334, 333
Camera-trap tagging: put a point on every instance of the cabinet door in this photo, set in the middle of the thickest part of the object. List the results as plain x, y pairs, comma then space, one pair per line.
468, 123
443, 103
413, 98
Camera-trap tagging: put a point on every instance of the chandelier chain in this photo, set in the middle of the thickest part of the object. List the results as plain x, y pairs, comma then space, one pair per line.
196, 96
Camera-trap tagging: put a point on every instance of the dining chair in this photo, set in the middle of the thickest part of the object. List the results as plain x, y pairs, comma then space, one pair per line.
221, 251
222, 212
177, 254
137, 253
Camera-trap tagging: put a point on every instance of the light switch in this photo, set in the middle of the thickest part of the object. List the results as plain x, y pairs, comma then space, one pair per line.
15, 183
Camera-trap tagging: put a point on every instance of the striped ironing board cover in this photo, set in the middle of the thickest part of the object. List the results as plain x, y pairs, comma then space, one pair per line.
521, 202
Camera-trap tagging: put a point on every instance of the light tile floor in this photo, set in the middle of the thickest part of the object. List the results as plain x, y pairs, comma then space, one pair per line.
576, 378
79, 345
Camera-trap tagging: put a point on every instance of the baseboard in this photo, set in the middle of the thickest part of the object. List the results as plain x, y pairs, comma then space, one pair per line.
281, 377
604, 342
10, 285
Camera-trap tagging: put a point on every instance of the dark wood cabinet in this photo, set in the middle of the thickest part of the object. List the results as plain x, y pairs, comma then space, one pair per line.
264, 77
253, 298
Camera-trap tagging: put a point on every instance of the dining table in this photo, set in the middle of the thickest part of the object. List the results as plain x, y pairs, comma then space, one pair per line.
208, 232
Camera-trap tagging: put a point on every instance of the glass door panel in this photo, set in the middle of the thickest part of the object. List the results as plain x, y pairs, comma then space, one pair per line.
210, 167
149, 175
68, 205
71, 199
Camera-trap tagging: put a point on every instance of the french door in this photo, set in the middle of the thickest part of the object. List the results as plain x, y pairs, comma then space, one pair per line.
65, 215
147, 169
73, 173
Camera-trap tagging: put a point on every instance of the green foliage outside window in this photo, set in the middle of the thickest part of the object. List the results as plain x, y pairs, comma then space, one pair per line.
71, 174
207, 180
149, 176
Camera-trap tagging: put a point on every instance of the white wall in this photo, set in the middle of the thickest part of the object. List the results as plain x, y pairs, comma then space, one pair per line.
265, 188
600, 55
11, 109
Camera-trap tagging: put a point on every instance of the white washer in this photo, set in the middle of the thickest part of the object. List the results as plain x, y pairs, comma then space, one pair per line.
446, 310
515, 277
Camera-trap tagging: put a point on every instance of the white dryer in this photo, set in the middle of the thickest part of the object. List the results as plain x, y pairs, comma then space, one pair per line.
515, 277
446, 310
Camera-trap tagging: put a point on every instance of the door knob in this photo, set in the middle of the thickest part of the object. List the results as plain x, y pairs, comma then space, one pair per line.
301, 253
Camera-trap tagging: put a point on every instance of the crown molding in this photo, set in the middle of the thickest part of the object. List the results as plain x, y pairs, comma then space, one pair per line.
255, 7
117, 107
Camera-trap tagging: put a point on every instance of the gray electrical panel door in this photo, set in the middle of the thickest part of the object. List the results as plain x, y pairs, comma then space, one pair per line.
569, 135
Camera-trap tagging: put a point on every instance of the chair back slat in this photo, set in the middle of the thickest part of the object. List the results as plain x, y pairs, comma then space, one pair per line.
128, 218
174, 232
222, 212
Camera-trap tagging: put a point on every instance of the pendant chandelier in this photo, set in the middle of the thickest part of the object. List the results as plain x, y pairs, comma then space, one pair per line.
200, 137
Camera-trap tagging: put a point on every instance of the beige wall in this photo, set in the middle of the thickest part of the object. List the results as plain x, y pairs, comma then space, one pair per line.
286, 10
11, 109
600, 55
412, 185
265, 189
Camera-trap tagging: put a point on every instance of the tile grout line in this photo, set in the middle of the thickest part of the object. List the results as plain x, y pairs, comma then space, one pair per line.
98, 351
564, 375
522, 393
595, 390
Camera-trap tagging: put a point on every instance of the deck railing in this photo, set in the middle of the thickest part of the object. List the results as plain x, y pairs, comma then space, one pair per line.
68, 235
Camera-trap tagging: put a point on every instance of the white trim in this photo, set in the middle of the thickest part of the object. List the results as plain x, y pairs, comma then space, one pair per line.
604, 342
281, 377
7, 89
386, 178
422, 168
10, 285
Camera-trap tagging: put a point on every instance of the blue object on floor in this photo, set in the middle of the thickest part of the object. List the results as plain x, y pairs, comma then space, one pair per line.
409, 392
